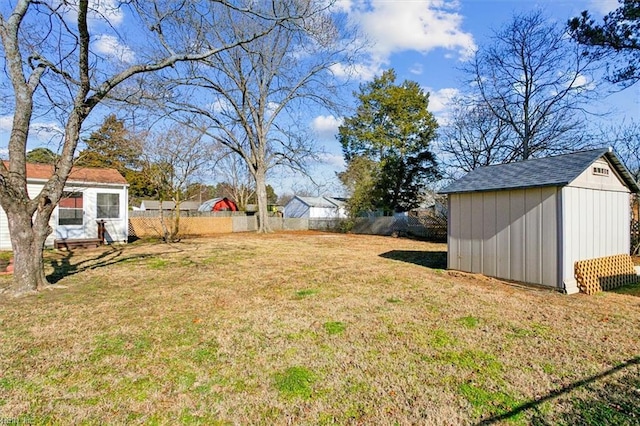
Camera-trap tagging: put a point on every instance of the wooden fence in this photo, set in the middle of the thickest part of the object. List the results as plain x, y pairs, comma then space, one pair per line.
150, 226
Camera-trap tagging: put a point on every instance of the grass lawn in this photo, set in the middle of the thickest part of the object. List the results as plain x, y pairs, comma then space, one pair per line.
309, 328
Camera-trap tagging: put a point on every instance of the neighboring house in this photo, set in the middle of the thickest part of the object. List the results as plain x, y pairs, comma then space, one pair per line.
218, 205
316, 208
90, 194
531, 221
154, 205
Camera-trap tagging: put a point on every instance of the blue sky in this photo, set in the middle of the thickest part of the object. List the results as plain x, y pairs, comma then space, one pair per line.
423, 40
428, 41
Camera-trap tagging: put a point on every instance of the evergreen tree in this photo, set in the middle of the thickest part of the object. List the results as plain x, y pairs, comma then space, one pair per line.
618, 35
386, 145
113, 146
41, 156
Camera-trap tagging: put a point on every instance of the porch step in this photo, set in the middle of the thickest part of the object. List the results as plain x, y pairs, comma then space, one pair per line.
77, 243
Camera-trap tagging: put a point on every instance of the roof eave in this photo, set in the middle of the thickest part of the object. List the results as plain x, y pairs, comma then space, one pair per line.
623, 171
555, 184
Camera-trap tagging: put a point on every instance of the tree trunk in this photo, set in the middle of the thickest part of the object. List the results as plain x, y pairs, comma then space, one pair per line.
261, 195
27, 240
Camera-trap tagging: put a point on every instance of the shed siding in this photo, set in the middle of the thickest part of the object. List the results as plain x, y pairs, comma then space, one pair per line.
490, 237
512, 234
595, 224
610, 182
503, 231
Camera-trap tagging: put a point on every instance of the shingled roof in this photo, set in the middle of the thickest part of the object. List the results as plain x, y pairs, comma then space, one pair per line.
558, 170
77, 175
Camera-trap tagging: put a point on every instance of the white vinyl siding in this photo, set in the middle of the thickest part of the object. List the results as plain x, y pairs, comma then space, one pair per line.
505, 234
595, 223
117, 230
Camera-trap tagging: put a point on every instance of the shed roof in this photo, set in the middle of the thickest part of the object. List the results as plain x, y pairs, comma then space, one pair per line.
331, 202
168, 205
78, 174
558, 170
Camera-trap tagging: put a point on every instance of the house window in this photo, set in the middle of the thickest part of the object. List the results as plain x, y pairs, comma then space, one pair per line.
601, 171
70, 209
108, 206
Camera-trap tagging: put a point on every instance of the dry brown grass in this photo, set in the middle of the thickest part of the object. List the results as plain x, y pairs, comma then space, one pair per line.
309, 328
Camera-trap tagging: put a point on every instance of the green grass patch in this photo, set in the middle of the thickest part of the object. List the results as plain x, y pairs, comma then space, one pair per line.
301, 294
206, 352
334, 327
630, 289
599, 413
440, 339
295, 382
469, 321
394, 300
157, 263
489, 403
6, 255
474, 360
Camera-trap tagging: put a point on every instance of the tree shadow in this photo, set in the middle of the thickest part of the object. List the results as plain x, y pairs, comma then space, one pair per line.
63, 266
629, 290
428, 259
602, 400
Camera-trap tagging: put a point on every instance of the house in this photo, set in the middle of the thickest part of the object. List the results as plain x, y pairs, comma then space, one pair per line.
90, 195
316, 208
531, 221
154, 205
218, 205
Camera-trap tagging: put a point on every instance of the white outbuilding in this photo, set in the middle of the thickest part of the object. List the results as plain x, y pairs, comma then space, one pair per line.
530, 221
315, 208
91, 195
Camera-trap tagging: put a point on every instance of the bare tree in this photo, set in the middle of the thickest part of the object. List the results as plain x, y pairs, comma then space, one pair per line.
239, 183
474, 137
53, 72
535, 80
625, 139
257, 94
175, 159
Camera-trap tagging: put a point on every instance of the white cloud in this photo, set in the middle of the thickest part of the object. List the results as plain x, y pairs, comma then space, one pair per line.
603, 6
421, 26
219, 105
334, 160
342, 5
6, 122
360, 71
326, 126
46, 131
111, 47
416, 69
42, 131
439, 100
583, 83
105, 11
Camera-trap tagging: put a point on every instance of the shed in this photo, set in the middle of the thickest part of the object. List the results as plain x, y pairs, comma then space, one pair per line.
530, 221
315, 208
218, 205
90, 194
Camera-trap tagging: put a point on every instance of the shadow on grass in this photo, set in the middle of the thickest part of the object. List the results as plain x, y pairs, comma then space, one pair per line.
629, 289
604, 402
63, 266
429, 259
